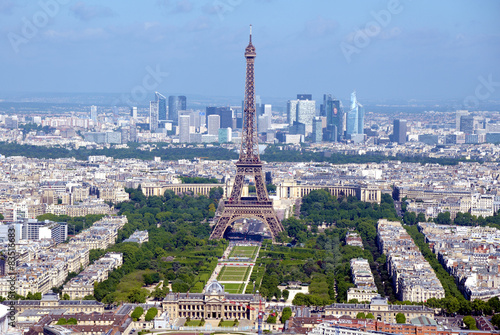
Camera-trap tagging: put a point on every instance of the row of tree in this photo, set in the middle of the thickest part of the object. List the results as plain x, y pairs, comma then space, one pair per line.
322, 259
198, 180
177, 226
167, 152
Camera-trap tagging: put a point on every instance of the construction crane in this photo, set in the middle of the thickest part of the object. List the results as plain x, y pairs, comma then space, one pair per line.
260, 317
261, 313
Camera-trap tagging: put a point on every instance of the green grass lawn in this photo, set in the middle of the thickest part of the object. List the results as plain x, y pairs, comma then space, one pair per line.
129, 282
233, 273
234, 288
227, 323
244, 251
193, 323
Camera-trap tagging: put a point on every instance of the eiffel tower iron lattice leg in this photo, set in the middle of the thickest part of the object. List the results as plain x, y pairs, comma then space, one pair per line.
236, 207
249, 164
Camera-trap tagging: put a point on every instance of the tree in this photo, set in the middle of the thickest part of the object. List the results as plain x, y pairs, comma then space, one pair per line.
360, 315
495, 320
66, 296
151, 314
494, 304
400, 318
159, 293
137, 295
151, 278
62, 321
421, 217
88, 297
109, 298
36, 296
277, 293
1, 217
480, 306
300, 299
382, 259
271, 188
211, 209
443, 218
370, 316
452, 305
470, 322
271, 318
179, 286
216, 193
72, 321
137, 313
286, 314
410, 218
286, 294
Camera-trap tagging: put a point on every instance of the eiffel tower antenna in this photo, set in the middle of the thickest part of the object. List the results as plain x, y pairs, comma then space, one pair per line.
259, 207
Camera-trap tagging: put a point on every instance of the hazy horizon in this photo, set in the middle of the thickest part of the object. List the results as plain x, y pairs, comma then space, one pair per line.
385, 50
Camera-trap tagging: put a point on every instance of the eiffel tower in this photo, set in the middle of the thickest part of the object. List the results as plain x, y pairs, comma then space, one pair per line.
249, 164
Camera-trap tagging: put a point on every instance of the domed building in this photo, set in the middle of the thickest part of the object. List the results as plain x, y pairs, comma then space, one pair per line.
213, 303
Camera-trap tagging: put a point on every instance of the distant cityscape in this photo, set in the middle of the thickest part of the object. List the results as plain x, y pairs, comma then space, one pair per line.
303, 120
344, 207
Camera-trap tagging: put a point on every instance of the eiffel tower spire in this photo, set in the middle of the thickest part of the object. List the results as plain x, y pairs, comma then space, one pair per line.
249, 164
249, 145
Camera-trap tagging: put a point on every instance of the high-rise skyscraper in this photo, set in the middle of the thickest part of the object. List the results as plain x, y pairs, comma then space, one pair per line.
213, 124
467, 124
322, 107
258, 104
225, 113
306, 111
263, 123
225, 135
133, 112
162, 106
176, 104
291, 111
331, 108
400, 130
93, 113
129, 134
184, 128
153, 116
317, 134
458, 115
355, 117
266, 109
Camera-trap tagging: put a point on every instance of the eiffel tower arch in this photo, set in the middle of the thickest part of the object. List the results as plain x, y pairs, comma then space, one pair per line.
248, 165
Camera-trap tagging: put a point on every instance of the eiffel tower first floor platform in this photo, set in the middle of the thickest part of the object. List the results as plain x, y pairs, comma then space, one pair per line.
247, 208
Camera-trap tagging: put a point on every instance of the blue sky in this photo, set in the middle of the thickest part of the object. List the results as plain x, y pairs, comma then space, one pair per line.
383, 49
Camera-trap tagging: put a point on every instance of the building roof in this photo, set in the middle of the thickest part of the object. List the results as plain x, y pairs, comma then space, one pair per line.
214, 288
50, 296
423, 321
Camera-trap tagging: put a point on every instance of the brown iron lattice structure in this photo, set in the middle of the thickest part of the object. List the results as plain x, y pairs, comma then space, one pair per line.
249, 164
